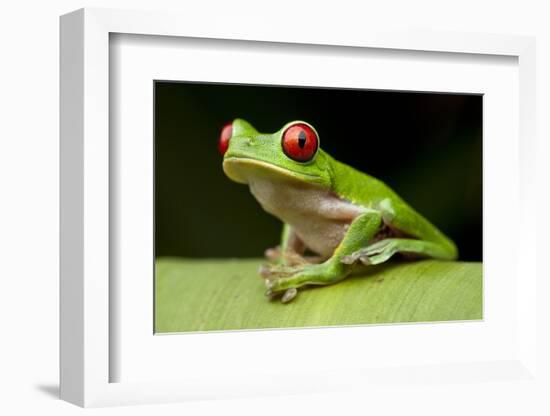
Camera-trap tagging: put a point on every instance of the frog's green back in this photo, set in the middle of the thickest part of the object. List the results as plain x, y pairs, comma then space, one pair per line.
356, 186
367, 191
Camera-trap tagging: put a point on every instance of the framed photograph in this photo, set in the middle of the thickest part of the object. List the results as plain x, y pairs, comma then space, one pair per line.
274, 214
199, 246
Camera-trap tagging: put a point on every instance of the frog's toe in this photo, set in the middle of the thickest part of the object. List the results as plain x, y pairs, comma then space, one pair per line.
273, 254
264, 270
286, 297
270, 294
289, 295
358, 257
374, 254
351, 259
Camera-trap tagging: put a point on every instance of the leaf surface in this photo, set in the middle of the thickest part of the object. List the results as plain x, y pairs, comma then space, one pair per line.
228, 294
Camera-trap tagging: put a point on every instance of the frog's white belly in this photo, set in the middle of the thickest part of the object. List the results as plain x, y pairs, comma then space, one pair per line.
317, 216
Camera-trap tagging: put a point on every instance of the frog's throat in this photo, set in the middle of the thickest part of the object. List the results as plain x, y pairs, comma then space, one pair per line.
242, 169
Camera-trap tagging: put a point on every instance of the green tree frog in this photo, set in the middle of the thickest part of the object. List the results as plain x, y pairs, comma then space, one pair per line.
342, 216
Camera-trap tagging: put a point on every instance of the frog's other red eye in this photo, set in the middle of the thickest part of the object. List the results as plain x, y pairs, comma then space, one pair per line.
225, 135
300, 142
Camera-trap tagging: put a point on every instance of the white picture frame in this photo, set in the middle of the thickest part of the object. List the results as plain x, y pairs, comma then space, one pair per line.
87, 329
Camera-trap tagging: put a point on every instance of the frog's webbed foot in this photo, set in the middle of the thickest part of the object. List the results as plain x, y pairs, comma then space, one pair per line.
383, 250
285, 280
376, 253
272, 274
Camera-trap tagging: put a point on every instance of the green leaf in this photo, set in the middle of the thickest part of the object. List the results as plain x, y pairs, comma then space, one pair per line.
202, 295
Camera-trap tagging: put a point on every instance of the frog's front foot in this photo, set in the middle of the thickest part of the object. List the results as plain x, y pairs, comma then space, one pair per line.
285, 280
272, 273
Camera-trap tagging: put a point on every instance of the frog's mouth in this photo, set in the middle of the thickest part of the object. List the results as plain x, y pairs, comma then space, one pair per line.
242, 169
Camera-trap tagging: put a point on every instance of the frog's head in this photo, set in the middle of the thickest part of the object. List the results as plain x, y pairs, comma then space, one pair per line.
292, 153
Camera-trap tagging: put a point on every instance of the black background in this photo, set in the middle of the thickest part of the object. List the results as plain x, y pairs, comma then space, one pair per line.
426, 146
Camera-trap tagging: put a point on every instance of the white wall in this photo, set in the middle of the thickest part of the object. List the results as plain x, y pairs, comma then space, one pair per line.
29, 186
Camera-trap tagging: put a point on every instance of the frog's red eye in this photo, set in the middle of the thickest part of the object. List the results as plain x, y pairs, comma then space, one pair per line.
225, 135
300, 142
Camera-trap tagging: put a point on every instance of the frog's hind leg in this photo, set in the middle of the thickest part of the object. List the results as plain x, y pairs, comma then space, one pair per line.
382, 250
408, 233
